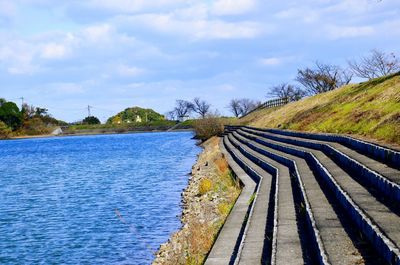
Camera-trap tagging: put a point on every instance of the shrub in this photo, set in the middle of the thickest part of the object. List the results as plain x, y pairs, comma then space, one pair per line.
205, 186
208, 127
5, 131
91, 120
224, 208
35, 126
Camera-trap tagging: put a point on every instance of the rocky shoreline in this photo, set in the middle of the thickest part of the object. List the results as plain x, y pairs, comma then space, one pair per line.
206, 202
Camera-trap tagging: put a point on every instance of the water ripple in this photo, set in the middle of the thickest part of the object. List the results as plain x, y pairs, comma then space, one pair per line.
110, 199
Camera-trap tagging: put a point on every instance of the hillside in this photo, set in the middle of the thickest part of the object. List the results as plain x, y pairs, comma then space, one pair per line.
369, 109
135, 115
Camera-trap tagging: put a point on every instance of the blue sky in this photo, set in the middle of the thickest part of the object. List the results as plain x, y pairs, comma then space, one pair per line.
112, 54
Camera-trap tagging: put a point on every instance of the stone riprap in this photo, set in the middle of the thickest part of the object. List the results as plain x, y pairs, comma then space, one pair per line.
320, 199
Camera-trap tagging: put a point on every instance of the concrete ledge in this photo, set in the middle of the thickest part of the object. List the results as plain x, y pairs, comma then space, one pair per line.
381, 243
318, 245
389, 189
227, 244
373, 150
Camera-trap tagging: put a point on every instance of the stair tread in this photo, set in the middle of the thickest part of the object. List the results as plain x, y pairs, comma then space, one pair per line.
287, 229
379, 167
253, 242
386, 219
341, 250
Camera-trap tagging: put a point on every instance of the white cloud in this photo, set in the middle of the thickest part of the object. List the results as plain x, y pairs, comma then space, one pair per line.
304, 14
7, 9
339, 32
97, 33
129, 6
233, 7
67, 88
129, 71
196, 29
54, 51
18, 57
271, 61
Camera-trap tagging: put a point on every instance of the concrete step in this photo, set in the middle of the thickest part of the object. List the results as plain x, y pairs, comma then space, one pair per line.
376, 165
388, 156
256, 246
378, 223
381, 181
225, 248
340, 246
287, 247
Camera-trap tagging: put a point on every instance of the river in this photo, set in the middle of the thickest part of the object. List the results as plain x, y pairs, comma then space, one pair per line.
105, 199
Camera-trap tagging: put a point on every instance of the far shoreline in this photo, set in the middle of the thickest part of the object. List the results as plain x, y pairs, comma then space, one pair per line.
26, 137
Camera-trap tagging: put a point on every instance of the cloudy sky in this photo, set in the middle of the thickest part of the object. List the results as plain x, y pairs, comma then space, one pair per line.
112, 54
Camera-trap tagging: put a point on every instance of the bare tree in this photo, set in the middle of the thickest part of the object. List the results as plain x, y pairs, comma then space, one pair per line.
171, 115
240, 107
201, 107
286, 90
234, 107
375, 65
182, 109
247, 105
323, 78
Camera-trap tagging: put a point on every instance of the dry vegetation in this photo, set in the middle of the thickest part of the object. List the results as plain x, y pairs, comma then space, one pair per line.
370, 109
207, 202
211, 126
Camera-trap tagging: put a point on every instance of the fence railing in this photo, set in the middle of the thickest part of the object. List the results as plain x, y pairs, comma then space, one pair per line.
270, 104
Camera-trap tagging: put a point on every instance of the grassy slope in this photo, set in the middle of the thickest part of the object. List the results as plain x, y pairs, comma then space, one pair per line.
370, 109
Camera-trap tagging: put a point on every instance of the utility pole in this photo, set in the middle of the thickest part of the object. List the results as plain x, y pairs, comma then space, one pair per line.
88, 109
22, 101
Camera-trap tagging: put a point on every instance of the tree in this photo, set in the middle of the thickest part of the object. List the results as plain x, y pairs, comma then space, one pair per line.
41, 111
286, 90
171, 115
91, 120
375, 65
234, 107
5, 131
247, 105
322, 78
240, 107
201, 107
28, 111
10, 115
182, 109
135, 114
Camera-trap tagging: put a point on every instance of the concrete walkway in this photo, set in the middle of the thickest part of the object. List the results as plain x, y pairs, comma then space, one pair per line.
319, 199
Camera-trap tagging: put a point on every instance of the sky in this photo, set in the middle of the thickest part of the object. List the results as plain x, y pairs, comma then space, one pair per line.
112, 54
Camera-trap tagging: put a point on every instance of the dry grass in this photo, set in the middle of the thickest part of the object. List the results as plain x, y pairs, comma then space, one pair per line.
370, 109
205, 186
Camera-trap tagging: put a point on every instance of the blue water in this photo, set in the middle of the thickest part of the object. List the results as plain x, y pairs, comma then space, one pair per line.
109, 199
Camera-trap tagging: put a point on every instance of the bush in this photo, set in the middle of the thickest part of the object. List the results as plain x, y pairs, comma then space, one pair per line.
208, 127
35, 126
91, 120
205, 186
10, 115
5, 131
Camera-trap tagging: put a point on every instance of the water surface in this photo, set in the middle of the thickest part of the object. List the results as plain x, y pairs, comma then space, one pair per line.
108, 199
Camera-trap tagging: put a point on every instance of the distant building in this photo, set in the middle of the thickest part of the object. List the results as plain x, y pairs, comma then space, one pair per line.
138, 119
183, 118
57, 131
